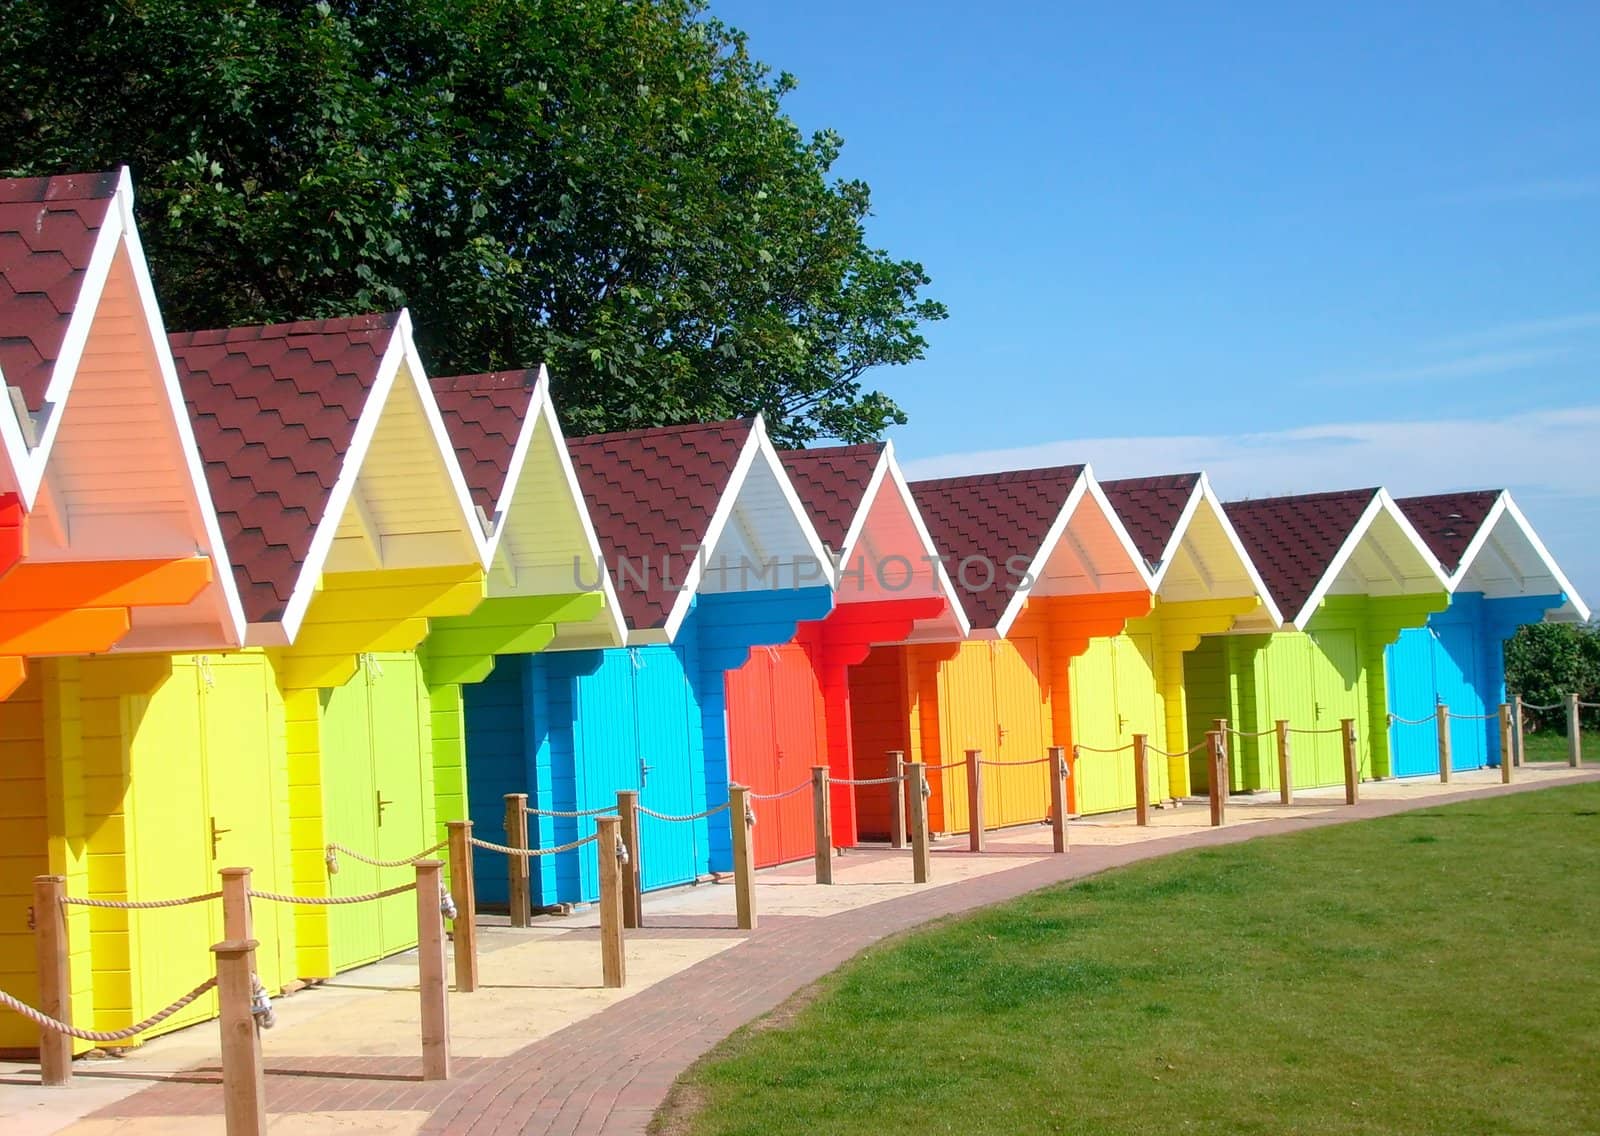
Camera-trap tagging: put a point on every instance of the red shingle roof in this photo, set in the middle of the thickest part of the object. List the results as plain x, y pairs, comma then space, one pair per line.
1293, 540
992, 517
650, 493
831, 482
1150, 508
1448, 522
48, 229
483, 415
274, 412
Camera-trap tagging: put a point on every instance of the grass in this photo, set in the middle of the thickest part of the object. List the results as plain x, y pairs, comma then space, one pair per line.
1548, 745
1432, 972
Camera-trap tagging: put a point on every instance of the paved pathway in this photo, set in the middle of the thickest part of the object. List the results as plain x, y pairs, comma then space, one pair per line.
609, 1072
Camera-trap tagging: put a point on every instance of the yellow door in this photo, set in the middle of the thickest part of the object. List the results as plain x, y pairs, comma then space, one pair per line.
1140, 710
967, 721
236, 722
1018, 794
1101, 782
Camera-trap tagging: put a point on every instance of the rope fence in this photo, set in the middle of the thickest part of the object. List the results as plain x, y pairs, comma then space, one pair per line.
1396, 719
331, 900
866, 780
1190, 752
507, 850
800, 788
947, 765
1552, 706
45, 1021
1329, 730
573, 814
1252, 733
1101, 749
671, 819
140, 904
1005, 764
332, 857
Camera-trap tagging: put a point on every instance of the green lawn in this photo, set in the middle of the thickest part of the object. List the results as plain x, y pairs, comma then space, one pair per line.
1547, 745
1434, 972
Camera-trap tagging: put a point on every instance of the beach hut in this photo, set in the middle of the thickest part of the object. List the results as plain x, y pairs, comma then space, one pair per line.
1132, 683
544, 557
109, 545
349, 526
1042, 565
1348, 572
710, 554
789, 705
1501, 576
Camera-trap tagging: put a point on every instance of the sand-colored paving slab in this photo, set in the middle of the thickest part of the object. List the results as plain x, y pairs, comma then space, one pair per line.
283, 1124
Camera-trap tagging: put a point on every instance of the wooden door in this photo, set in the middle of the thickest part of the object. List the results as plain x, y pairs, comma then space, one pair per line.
663, 705
350, 818
966, 721
753, 750
401, 785
1101, 782
1140, 711
1456, 663
1017, 794
1411, 665
798, 744
1336, 677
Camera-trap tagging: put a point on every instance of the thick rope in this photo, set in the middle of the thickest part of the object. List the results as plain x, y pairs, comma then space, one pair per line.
573, 815
1100, 749
1252, 733
45, 1021
332, 900
865, 780
1552, 706
691, 816
1395, 719
526, 852
787, 792
141, 904
1190, 752
333, 858
1475, 717
946, 765
1004, 764
1589, 705
1329, 730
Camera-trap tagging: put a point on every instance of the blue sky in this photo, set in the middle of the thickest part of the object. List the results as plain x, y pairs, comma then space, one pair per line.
1306, 249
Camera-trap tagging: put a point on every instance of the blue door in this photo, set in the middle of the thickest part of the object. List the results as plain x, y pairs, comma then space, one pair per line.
1413, 748
1456, 663
667, 770
495, 720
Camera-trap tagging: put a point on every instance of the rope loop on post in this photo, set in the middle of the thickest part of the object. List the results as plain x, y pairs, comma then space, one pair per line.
261, 1004
447, 903
622, 851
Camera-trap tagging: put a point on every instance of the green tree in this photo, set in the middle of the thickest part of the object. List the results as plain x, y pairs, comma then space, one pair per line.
1547, 661
609, 186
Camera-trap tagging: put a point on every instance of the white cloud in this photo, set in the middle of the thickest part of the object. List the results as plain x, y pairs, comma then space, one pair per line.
1548, 458
1521, 331
1466, 366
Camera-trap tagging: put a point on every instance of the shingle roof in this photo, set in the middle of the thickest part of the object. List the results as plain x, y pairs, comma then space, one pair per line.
1448, 522
1150, 508
831, 482
1293, 540
993, 517
275, 409
48, 230
483, 415
650, 494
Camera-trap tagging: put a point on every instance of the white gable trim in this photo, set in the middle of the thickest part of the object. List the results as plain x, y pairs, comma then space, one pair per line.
893, 474
1380, 504
1175, 541
1505, 506
758, 447
402, 349
1263, 594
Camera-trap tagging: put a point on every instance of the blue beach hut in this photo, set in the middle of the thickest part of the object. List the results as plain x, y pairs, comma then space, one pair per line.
1500, 576
710, 553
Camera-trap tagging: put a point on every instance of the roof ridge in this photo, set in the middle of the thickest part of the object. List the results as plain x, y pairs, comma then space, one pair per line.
485, 380
853, 449
1004, 477
1324, 495
660, 431
335, 325
87, 186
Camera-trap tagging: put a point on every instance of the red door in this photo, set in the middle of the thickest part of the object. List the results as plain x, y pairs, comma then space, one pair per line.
775, 736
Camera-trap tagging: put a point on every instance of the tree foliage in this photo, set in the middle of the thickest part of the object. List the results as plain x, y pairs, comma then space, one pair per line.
610, 186
1547, 661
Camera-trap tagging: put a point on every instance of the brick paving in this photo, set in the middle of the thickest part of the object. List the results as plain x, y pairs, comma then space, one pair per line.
608, 1073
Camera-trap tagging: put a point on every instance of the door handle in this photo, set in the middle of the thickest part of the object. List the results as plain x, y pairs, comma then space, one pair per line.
216, 836
1001, 730
382, 804
1318, 708
644, 772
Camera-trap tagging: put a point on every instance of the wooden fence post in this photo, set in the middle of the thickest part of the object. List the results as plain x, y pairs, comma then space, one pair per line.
1218, 790
744, 882
822, 824
1285, 764
244, 1098
237, 925
1352, 760
1446, 758
632, 888
917, 787
1058, 797
1507, 740
55, 980
613, 962
430, 973
1141, 780
517, 867
975, 800
897, 797
1220, 725
1574, 732
1516, 727
464, 894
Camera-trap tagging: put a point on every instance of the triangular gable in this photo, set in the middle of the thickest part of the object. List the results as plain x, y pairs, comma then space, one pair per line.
1352, 542
98, 448
1190, 546
326, 454
858, 499
681, 510
1485, 544
541, 541
1039, 532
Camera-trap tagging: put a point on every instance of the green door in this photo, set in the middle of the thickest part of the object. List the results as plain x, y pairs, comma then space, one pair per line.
1101, 782
401, 785
1335, 665
350, 818
1139, 708
1284, 673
